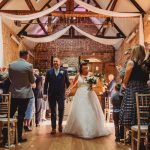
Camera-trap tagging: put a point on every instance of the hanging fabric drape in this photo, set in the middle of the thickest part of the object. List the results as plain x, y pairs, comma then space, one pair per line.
32, 16
105, 12
63, 31
115, 14
50, 37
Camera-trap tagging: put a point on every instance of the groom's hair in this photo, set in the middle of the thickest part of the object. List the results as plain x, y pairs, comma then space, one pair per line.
56, 58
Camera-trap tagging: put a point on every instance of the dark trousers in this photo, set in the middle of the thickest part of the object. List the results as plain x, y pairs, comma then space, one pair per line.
20, 105
38, 107
119, 130
52, 103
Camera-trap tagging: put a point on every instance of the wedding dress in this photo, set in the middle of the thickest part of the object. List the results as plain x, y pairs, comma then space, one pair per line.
86, 118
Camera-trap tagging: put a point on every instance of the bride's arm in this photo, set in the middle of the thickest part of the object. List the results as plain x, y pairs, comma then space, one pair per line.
72, 85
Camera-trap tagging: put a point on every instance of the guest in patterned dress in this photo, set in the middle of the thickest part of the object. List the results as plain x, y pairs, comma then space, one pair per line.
135, 80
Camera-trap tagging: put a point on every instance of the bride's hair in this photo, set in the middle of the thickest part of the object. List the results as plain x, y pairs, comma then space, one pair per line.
81, 66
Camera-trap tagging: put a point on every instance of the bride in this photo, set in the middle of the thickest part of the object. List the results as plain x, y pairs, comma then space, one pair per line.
86, 118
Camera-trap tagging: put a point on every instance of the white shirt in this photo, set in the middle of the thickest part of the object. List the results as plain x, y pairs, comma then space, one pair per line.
56, 71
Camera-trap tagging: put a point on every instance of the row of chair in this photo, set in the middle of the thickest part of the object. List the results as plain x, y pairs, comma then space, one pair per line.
139, 131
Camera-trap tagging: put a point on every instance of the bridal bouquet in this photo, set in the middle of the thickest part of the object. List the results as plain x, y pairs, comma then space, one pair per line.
91, 80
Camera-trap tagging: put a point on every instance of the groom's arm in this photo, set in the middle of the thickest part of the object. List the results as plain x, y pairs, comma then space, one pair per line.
46, 83
67, 79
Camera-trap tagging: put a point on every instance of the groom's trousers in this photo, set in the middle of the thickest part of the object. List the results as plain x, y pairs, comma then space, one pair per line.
53, 106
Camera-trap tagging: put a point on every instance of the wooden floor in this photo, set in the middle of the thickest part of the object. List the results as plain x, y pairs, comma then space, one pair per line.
41, 139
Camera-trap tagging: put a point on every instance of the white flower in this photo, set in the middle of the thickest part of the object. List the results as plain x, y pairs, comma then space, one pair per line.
61, 72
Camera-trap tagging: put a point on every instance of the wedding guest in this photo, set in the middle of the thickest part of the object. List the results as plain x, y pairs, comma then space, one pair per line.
135, 80
21, 77
111, 85
38, 93
116, 102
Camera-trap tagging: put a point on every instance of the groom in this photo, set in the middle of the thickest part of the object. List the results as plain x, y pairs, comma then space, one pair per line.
56, 82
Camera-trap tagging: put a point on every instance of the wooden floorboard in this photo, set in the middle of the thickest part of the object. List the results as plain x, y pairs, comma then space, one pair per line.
41, 139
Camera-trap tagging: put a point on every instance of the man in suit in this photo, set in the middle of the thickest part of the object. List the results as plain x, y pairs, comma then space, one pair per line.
21, 77
55, 83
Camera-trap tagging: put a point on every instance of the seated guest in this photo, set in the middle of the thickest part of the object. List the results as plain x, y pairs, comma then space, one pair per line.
116, 102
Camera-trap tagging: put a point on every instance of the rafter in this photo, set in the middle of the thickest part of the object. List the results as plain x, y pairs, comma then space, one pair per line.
59, 7
97, 4
42, 27
3, 3
27, 25
115, 25
138, 7
30, 5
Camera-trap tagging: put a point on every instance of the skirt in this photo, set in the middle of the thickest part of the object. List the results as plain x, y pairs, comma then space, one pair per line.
128, 115
30, 109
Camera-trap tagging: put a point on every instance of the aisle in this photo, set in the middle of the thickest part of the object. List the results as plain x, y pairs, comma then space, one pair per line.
41, 139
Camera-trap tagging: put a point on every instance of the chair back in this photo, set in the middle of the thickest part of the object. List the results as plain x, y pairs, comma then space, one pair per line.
143, 109
5, 106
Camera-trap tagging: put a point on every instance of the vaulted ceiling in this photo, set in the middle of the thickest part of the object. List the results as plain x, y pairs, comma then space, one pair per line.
46, 25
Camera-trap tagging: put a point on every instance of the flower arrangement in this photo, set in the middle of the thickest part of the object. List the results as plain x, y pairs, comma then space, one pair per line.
91, 80
103, 79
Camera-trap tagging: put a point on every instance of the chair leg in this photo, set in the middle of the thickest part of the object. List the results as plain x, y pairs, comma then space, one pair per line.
8, 134
132, 139
16, 130
105, 113
108, 117
124, 135
138, 140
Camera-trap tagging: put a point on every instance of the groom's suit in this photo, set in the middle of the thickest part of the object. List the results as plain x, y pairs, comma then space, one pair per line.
54, 87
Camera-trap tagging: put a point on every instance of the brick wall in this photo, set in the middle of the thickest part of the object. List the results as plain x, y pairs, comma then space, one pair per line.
69, 51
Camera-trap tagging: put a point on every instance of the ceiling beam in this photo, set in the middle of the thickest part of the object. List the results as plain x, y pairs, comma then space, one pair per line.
42, 27
27, 25
97, 4
59, 7
3, 3
107, 8
141, 10
30, 5
70, 5
115, 25
119, 30
113, 5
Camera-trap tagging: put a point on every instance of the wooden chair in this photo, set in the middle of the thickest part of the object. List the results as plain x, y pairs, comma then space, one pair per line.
5, 120
140, 130
107, 110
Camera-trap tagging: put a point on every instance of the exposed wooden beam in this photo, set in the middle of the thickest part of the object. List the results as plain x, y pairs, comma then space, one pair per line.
30, 5
119, 30
76, 14
138, 7
27, 25
42, 27
70, 5
97, 4
59, 7
109, 4
3, 3
113, 5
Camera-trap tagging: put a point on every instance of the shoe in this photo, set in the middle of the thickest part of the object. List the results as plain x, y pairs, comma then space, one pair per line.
53, 131
27, 129
37, 125
117, 140
60, 128
22, 140
128, 140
